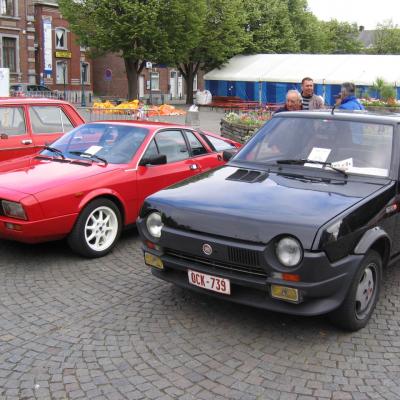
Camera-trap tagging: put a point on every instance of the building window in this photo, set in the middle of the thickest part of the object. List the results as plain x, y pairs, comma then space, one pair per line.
61, 38
7, 7
85, 73
155, 80
62, 72
10, 53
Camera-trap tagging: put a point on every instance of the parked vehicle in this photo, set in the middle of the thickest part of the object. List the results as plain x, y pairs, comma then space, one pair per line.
301, 221
32, 90
27, 124
92, 181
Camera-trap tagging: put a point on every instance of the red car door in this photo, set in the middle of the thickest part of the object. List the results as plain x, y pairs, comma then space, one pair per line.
204, 157
180, 164
15, 139
48, 123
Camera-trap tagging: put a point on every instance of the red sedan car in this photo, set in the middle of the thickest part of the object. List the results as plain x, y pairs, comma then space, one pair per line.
92, 181
27, 124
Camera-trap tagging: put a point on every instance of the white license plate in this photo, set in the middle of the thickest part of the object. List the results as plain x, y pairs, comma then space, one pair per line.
220, 285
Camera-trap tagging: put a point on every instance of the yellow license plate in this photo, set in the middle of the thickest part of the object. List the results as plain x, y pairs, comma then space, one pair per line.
285, 293
153, 261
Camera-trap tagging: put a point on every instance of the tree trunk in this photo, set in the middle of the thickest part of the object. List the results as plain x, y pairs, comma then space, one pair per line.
189, 85
133, 69
188, 72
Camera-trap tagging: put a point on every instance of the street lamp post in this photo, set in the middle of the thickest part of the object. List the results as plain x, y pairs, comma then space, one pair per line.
151, 86
83, 99
149, 67
64, 67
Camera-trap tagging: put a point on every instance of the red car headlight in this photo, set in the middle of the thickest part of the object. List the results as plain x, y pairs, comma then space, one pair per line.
13, 209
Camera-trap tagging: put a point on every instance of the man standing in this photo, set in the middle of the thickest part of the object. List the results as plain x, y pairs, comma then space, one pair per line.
293, 102
348, 99
310, 100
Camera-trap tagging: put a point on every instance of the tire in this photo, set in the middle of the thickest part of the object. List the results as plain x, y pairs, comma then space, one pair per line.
360, 301
97, 229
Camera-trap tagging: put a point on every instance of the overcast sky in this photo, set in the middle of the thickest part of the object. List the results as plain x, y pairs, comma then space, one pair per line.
364, 12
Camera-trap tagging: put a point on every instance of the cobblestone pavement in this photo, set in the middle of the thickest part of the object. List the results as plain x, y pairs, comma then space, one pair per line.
72, 328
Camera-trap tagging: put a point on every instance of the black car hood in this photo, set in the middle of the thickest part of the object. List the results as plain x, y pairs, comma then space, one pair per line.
256, 211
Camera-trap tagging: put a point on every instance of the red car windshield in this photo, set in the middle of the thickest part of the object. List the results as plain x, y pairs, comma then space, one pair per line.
117, 144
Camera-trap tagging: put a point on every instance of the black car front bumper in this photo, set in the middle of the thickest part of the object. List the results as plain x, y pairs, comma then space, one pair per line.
322, 286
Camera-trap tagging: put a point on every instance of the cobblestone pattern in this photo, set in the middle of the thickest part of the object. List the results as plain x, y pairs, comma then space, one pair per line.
72, 328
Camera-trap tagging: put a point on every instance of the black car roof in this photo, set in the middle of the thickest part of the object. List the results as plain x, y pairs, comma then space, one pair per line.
361, 116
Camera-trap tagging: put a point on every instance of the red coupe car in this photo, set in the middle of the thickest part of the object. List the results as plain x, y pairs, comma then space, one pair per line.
92, 181
27, 124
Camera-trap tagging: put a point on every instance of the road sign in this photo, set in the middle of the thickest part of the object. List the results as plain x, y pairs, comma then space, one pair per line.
107, 74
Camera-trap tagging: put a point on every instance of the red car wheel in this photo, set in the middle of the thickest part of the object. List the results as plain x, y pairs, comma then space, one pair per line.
97, 229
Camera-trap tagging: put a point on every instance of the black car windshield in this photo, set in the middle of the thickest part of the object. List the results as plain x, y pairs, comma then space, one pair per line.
352, 146
114, 143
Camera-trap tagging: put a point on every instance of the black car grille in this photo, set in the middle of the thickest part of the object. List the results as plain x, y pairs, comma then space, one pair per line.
243, 256
240, 260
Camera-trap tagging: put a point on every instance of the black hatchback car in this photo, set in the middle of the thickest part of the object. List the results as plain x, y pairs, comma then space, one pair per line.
301, 221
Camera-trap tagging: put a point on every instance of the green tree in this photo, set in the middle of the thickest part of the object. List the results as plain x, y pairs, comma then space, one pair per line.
386, 39
340, 37
203, 34
129, 28
270, 27
306, 27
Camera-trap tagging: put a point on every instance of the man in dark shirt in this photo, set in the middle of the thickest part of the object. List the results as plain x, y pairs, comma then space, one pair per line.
310, 100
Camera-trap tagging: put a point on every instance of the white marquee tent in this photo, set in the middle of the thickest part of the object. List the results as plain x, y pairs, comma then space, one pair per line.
327, 70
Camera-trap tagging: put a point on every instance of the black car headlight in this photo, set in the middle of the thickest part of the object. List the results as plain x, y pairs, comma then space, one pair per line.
154, 224
289, 251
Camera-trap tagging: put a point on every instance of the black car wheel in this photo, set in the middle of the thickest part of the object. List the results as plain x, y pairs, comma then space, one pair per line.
97, 229
357, 308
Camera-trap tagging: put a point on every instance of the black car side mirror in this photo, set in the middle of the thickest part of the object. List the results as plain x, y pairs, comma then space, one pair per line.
153, 160
228, 154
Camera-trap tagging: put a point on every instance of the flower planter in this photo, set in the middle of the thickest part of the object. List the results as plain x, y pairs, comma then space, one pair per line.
237, 131
383, 109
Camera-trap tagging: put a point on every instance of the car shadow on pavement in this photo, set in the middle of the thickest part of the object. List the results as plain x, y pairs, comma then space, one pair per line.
26, 250
249, 317
57, 248
218, 310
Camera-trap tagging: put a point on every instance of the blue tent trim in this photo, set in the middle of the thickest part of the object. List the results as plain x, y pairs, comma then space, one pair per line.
274, 92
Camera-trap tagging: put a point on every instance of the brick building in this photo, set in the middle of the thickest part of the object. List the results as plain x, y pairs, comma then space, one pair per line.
160, 83
17, 35
37, 46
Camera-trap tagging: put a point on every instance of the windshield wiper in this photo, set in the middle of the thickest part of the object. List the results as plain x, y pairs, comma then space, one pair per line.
89, 155
302, 161
56, 151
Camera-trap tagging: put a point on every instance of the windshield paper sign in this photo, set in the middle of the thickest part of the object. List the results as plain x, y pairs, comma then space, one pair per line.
318, 154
